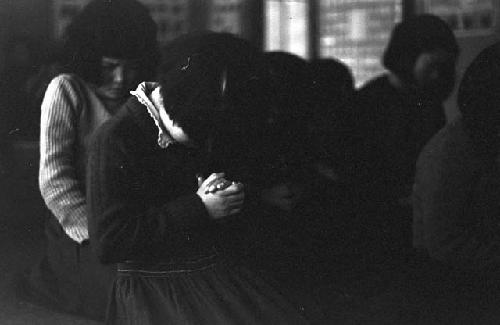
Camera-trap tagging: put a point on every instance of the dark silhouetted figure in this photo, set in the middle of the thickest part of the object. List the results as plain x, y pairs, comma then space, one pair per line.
457, 184
329, 102
456, 206
396, 114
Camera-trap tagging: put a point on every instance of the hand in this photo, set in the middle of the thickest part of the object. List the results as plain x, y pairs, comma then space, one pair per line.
222, 203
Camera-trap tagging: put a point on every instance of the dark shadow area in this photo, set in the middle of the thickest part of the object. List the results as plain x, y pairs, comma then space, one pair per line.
21, 234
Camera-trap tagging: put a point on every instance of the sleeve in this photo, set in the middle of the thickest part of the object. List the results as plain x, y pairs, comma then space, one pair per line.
60, 188
453, 231
121, 226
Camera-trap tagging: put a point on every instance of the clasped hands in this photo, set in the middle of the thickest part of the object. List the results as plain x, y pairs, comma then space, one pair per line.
222, 198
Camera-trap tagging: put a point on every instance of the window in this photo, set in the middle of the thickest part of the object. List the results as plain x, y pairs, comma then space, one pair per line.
354, 31
357, 32
286, 26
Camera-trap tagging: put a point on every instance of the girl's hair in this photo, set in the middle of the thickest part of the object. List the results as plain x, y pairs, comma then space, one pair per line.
212, 84
121, 29
331, 82
479, 97
414, 36
214, 87
288, 75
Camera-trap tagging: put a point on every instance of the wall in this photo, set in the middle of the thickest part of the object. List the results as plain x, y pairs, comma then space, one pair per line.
23, 18
34, 18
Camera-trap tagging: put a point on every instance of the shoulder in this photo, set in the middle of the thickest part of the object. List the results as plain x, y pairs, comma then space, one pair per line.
373, 99
68, 88
67, 81
373, 86
375, 92
435, 149
451, 140
449, 152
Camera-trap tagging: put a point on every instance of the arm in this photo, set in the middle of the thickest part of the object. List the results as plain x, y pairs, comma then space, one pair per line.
61, 190
121, 226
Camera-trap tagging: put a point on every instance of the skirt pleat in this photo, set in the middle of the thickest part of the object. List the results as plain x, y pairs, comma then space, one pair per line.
215, 294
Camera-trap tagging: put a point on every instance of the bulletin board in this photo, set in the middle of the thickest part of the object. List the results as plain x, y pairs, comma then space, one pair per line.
225, 16
63, 11
465, 17
171, 16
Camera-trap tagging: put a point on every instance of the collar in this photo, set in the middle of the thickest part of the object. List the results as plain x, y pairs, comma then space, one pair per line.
148, 94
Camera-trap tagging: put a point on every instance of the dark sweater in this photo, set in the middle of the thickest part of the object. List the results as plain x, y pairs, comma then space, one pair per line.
393, 126
142, 198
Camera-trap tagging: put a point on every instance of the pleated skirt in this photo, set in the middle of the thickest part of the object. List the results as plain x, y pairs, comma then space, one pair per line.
203, 291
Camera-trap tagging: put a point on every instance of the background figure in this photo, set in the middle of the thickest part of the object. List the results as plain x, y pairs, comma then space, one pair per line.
108, 48
457, 185
285, 129
288, 215
329, 100
396, 115
456, 207
284, 157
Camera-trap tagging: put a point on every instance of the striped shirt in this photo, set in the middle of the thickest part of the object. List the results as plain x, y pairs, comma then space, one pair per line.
71, 112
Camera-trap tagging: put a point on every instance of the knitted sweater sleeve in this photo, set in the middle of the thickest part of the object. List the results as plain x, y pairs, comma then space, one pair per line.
60, 187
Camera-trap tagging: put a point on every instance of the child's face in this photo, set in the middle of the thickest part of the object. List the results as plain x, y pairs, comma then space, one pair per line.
118, 78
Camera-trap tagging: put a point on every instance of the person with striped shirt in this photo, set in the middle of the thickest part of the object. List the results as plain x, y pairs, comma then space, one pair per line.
110, 46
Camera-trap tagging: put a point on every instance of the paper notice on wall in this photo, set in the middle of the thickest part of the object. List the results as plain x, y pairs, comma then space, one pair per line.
63, 13
171, 16
358, 24
465, 17
225, 16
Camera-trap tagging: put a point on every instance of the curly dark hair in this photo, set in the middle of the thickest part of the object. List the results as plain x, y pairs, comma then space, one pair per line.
214, 86
212, 82
121, 29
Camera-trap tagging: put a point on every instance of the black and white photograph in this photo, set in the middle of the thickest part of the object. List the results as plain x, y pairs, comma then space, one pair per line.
258, 162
